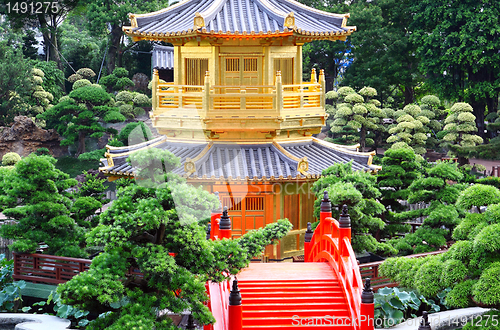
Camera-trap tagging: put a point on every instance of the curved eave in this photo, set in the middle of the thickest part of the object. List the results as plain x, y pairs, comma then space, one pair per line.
194, 34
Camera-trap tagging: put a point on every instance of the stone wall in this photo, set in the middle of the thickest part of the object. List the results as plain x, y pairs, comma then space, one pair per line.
24, 137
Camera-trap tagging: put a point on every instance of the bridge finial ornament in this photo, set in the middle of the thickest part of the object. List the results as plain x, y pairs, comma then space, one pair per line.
209, 230
309, 233
344, 219
225, 221
326, 206
424, 324
367, 294
235, 296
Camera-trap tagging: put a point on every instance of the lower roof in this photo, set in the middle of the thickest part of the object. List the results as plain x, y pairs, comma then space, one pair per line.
225, 161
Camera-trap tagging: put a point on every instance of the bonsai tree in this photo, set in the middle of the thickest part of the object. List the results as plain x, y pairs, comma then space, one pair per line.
81, 115
358, 191
399, 169
411, 129
355, 111
172, 259
117, 81
131, 103
34, 194
439, 189
40, 99
432, 109
83, 73
460, 125
470, 267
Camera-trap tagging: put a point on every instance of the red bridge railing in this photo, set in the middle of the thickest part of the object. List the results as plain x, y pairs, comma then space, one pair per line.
331, 242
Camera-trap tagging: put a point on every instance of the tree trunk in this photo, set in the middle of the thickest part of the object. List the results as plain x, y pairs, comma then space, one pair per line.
81, 143
362, 139
50, 40
492, 104
479, 109
114, 48
409, 94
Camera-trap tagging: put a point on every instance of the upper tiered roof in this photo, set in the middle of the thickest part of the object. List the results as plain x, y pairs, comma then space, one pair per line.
239, 17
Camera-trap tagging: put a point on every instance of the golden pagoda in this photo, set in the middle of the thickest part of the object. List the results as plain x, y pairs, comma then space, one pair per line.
238, 113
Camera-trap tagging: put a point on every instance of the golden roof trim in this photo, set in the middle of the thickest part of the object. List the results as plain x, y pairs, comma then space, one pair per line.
350, 152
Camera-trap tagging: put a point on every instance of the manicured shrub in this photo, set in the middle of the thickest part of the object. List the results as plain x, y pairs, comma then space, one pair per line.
81, 83
487, 289
10, 158
461, 294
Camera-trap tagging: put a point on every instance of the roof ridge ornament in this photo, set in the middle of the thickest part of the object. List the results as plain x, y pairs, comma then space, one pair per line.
303, 166
290, 21
199, 21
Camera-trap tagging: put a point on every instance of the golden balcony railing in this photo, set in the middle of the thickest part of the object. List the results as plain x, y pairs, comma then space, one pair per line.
261, 101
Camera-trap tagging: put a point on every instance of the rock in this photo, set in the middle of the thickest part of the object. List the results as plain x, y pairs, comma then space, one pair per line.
24, 137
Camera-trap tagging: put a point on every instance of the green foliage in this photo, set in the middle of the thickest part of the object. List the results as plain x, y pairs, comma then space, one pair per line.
10, 158
117, 81
486, 321
81, 83
42, 152
460, 295
82, 115
142, 230
354, 112
470, 267
35, 195
15, 83
437, 189
53, 80
460, 125
438, 31
358, 190
411, 129
393, 306
478, 195
399, 169
10, 292
485, 291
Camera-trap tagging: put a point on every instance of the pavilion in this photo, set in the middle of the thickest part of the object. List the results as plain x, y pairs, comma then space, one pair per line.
238, 113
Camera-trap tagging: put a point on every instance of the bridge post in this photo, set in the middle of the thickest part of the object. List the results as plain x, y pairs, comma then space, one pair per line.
225, 225
307, 242
367, 315
424, 324
235, 319
325, 212
209, 231
216, 214
344, 230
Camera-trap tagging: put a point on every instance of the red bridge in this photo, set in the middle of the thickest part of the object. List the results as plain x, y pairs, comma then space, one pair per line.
325, 291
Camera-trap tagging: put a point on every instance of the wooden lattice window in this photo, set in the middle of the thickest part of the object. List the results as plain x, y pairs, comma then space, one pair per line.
285, 65
233, 64
233, 204
195, 71
254, 203
250, 65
